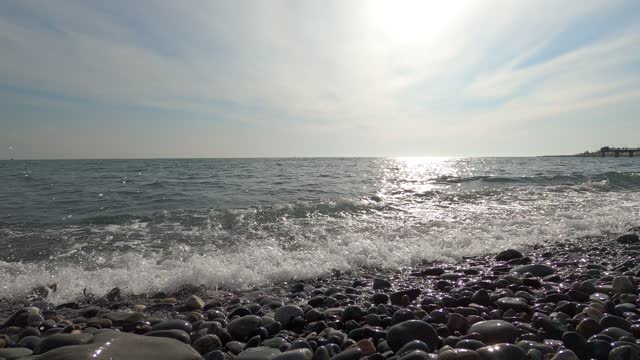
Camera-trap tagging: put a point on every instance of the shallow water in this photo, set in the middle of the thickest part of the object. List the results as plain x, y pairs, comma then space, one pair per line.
149, 225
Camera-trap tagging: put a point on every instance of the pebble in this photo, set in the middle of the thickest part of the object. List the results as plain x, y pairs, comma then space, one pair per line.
379, 284
296, 354
538, 270
207, 343
14, 353
630, 238
244, 326
123, 346
494, 331
458, 354
366, 346
457, 322
502, 352
176, 334
349, 354
413, 345
194, 302
59, 340
509, 254
286, 313
515, 303
411, 294
415, 355
565, 355
622, 284
173, 324
258, 353
402, 333
624, 352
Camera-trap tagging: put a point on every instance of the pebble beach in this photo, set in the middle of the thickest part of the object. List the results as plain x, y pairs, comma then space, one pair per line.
572, 299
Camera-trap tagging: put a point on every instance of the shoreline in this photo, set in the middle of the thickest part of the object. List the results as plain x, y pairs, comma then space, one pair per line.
553, 298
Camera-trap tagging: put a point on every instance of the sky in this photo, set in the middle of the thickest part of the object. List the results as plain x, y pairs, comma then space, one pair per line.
203, 78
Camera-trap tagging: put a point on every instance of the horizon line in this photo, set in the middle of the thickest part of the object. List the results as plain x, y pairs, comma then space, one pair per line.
288, 157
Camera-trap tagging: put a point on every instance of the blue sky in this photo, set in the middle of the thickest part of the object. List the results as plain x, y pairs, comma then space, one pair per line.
121, 79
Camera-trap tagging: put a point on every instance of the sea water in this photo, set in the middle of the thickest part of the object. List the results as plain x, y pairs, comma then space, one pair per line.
156, 225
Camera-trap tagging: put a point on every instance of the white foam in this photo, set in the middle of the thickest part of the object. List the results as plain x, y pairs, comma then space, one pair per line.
252, 253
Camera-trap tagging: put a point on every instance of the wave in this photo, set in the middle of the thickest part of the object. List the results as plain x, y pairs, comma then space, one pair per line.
241, 248
621, 180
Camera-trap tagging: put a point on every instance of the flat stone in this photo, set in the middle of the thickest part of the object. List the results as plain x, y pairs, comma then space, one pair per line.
402, 333
494, 331
625, 352
538, 270
415, 355
458, 354
565, 355
515, 303
58, 340
615, 333
124, 346
509, 254
258, 353
379, 284
14, 353
242, 327
349, 354
296, 354
615, 321
527, 345
124, 317
630, 238
502, 352
275, 342
413, 345
451, 276
285, 313
433, 271
173, 324
176, 334
470, 344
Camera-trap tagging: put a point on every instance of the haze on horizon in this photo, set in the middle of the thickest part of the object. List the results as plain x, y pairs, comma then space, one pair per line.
121, 79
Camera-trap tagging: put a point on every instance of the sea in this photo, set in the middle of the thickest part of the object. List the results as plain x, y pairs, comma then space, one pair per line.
156, 225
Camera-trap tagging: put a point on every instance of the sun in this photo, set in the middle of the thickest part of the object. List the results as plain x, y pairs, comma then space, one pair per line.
407, 21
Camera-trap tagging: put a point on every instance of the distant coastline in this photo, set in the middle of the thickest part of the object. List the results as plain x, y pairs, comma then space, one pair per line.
606, 151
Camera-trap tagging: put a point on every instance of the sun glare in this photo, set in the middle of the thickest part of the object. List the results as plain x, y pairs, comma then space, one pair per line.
406, 21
